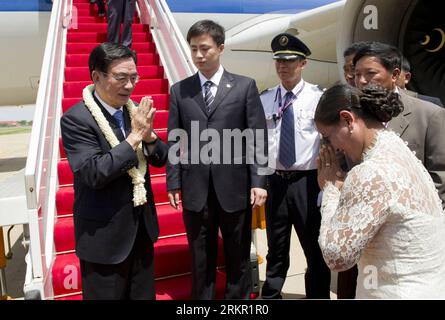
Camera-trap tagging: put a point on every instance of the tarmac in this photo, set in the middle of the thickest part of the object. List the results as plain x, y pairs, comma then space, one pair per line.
13, 151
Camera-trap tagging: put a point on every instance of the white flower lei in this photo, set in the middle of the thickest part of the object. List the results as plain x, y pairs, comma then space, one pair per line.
137, 174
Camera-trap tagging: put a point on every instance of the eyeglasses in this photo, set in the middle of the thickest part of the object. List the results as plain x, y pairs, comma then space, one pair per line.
123, 78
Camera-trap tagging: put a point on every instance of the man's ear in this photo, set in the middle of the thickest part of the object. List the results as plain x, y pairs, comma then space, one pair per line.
95, 76
221, 48
407, 77
395, 74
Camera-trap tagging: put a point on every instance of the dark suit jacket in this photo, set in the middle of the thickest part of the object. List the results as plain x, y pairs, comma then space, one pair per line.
422, 125
431, 99
236, 106
105, 221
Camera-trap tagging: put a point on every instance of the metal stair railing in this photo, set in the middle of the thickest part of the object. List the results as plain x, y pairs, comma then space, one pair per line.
41, 165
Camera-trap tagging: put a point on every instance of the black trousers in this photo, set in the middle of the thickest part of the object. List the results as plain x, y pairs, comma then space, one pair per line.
293, 202
132, 279
202, 233
347, 283
120, 12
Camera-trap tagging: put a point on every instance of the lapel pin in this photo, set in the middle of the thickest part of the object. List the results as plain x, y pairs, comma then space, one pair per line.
228, 85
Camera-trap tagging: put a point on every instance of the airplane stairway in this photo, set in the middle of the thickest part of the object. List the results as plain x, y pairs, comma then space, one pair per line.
172, 257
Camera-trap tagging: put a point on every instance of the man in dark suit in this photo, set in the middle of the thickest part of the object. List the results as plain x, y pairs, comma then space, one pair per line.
405, 78
108, 149
120, 12
217, 192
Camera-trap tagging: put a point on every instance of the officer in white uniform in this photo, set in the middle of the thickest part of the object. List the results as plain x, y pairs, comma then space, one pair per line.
293, 188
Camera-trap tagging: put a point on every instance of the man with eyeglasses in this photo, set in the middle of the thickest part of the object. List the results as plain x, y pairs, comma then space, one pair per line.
109, 143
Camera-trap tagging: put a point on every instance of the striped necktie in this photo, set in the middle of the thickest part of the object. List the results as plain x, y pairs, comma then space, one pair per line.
208, 96
287, 155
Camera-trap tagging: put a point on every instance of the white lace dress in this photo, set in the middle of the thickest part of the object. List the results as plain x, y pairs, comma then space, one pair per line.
388, 217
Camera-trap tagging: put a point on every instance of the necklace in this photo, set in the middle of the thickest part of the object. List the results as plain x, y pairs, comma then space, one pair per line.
137, 174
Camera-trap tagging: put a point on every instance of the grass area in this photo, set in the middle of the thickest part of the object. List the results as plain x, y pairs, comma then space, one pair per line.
14, 130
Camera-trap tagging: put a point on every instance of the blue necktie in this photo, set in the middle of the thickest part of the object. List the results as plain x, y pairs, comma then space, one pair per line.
119, 116
287, 135
208, 96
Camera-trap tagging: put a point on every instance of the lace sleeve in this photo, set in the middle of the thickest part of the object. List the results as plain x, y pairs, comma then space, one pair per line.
352, 217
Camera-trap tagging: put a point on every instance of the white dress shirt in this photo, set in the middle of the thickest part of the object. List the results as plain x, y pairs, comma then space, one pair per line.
110, 109
307, 138
216, 79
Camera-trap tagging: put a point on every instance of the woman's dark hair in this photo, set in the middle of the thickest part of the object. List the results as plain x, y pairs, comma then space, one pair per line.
104, 54
372, 102
207, 27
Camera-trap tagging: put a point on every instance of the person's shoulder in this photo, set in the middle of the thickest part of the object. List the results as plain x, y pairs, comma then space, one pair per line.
238, 77
76, 109
431, 99
314, 88
417, 105
268, 91
186, 80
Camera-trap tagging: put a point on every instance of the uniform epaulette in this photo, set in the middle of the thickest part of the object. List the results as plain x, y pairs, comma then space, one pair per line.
265, 90
317, 87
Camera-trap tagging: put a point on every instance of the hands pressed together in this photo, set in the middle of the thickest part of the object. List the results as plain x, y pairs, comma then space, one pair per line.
329, 169
142, 123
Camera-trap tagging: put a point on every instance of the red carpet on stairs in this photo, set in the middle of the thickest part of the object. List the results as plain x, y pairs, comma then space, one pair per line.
172, 256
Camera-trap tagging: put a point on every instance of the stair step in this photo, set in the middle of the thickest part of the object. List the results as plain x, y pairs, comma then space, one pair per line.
102, 27
81, 59
176, 288
66, 175
83, 73
95, 19
160, 101
65, 195
180, 288
170, 223
87, 47
102, 37
66, 268
74, 89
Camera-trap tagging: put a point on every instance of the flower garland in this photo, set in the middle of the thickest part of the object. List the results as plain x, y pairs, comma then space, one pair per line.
137, 174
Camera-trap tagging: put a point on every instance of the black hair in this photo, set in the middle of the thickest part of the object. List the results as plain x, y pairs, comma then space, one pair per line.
355, 47
210, 27
406, 67
373, 102
389, 56
104, 54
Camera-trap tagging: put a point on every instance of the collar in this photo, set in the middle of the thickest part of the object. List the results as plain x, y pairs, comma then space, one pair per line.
295, 90
216, 79
107, 107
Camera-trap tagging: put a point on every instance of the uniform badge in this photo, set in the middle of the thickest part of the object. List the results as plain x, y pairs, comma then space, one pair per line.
283, 41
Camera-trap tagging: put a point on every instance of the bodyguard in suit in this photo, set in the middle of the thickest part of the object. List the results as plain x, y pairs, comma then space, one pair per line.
109, 143
120, 12
405, 78
421, 124
216, 193
293, 188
